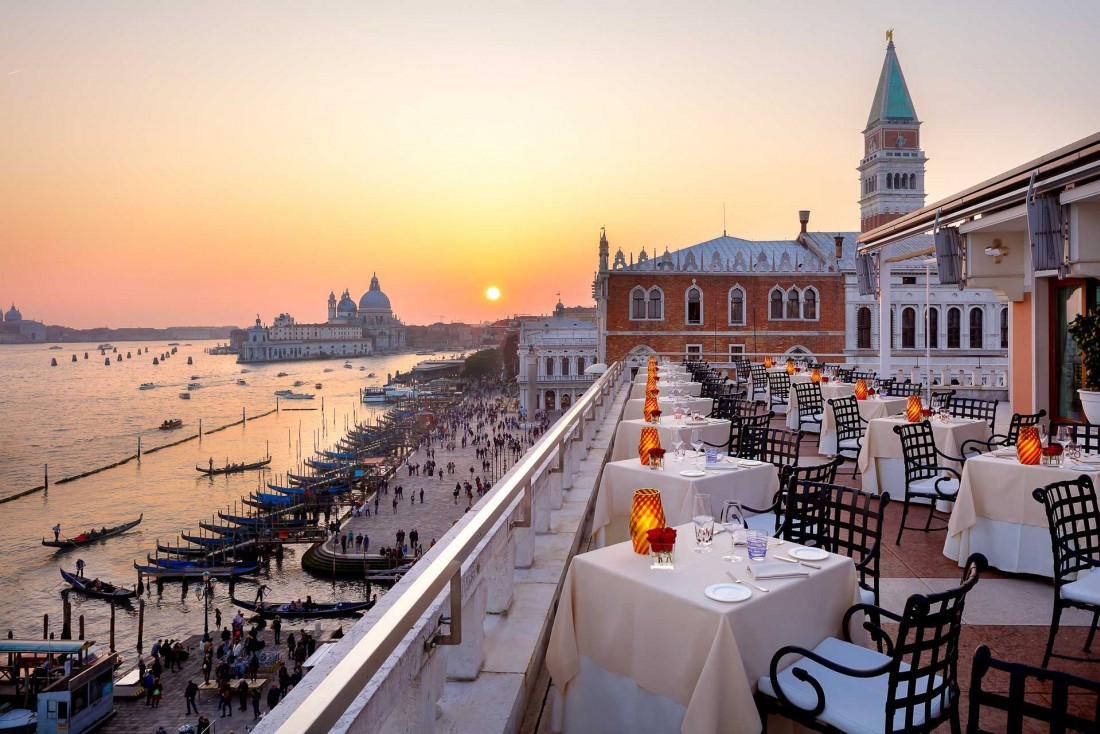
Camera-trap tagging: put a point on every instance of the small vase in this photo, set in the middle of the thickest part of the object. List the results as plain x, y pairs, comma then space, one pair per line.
660, 556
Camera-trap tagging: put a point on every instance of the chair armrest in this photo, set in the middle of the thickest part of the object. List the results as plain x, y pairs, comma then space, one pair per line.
949, 457
976, 442
1078, 556
872, 612
802, 675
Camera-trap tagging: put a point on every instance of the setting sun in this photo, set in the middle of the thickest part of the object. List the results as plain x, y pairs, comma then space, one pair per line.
493, 293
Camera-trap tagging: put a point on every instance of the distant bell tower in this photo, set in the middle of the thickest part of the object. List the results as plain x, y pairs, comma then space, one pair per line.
331, 306
892, 168
603, 249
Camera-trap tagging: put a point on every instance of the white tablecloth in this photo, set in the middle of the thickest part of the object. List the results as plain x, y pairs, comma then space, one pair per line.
996, 515
828, 390
755, 486
638, 650
663, 374
691, 389
881, 444
635, 407
871, 408
628, 432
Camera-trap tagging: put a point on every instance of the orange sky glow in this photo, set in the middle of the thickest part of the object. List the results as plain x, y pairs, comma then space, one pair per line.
204, 162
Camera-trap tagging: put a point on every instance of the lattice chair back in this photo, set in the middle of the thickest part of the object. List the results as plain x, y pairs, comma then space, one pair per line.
805, 507
759, 379
918, 450
865, 376
779, 384
854, 526
808, 395
941, 399
1020, 420
778, 446
738, 443
849, 423
1073, 517
904, 389
1086, 436
974, 409
724, 407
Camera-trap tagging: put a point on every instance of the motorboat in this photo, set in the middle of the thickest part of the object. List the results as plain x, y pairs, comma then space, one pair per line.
318, 386
370, 375
171, 424
193, 386
328, 369
185, 396
362, 369
282, 374
284, 392
245, 370
196, 377
374, 395
298, 383
147, 386
104, 347
394, 392
298, 396
241, 381
348, 365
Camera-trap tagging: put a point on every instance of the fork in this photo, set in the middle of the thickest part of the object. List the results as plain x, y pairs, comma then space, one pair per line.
801, 563
745, 583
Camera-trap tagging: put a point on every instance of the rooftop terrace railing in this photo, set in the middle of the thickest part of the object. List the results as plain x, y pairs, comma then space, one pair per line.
453, 562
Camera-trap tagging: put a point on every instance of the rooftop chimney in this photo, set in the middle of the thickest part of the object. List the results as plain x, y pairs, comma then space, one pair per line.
838, 240
804, 219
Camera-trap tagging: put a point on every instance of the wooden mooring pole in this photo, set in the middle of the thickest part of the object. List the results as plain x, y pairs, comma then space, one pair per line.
66, 616
112, 647
141, 623
80, 626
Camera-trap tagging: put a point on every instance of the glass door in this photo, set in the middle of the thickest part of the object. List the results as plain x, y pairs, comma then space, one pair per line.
1069, 301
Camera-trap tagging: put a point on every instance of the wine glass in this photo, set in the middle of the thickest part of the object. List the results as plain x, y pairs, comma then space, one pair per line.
697, 444
1061, 434
704, 522
678, 443
733, 520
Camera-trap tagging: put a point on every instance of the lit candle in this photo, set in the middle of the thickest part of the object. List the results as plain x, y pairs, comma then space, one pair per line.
645, 514
1028, 447
648, 440
815, 376
861, 389
913, 409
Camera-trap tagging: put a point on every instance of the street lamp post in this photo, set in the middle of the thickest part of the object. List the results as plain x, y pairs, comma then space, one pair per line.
207, 592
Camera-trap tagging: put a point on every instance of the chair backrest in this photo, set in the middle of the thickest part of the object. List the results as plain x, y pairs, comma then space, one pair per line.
927, 643
918, 450
759, 378
941, 398
849, 423
1022, 678
1086, 436
1019, 420
843, 374
777, 446
1073, 520
853, 528
741, 423
749, 407
808, 395
865, 376
723, 407
974, 408
904, 389
780, 385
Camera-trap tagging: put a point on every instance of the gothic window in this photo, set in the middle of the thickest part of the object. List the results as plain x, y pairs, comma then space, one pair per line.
565, 365
794, 307
694, 312
637, 304
1004, 328
954, 328
737, 306
889, 181
580, 365
976, 328
549, 366
809, 304
912, 180
863, 328
908, 328
550, 401
932, 332
656, 304
775, 304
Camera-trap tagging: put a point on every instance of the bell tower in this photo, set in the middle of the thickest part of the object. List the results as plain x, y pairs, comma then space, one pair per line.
892, 168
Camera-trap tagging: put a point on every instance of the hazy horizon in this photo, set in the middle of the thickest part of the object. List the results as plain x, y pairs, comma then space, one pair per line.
203, 162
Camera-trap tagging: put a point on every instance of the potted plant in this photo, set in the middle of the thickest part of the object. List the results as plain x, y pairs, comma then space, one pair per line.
1085, 330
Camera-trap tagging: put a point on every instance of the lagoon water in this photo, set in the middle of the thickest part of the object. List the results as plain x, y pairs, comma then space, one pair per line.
81, 415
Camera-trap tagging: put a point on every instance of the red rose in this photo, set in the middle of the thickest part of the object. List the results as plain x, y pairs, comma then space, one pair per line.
656, 414
668, 535
871, 391
1053, 450
654, 535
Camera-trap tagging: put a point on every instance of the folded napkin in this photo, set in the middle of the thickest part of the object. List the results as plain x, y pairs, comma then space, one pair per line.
1006, 451
1088, 459
776, 570
726, 463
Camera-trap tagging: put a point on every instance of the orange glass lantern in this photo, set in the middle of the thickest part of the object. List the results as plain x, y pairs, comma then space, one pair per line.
815, 376
648, 440
913, 409
645, 514
790, 366
768, 363
649, 407
861, 389
1028, 447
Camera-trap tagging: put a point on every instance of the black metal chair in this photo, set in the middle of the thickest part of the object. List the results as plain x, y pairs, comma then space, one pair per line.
854, 529
903, 389
941, 398
867, 377
778, 446
811, 409
1021, 680
723, 407
779, 390
850, 428
738, 425
1085, 435
1074, 522
759, 381
911, 687
770, 518
975, 446
974, 409
749, 407
924, 478
844, 375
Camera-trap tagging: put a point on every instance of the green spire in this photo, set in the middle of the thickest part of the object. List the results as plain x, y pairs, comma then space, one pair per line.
892, 100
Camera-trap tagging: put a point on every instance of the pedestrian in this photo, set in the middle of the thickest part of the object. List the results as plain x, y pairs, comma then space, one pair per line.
217, 617
277, 627
284, 679
359, 543
147, 683
157, 668
272, 697
366, 543
422, 489
225, 696
190, 693
242, 693
260, 594
290, 643
80, 567
206, 665
255, 703
344, 538
254, 666
395, 503
158, 691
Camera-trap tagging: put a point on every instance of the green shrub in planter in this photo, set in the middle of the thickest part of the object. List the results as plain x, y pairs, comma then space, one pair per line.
1085, 330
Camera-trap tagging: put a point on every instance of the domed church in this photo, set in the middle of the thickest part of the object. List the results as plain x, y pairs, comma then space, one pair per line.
373, 313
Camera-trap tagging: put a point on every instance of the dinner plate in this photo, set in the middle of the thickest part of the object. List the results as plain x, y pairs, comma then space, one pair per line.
728, 592
749, 462
807, 554
693, 473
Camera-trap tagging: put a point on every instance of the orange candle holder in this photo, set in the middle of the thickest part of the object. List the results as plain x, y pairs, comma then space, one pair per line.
861, 389
646, 513
768, 363
790, 366
815, 376
649, 407
1028, 447
913, 409
648, 440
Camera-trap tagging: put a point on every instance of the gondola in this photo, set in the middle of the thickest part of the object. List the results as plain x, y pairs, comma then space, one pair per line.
88, 538
197, 564
182, 550
282, 609
209, 542
218, 572
105, 590
233, 468
224, 529
263, 522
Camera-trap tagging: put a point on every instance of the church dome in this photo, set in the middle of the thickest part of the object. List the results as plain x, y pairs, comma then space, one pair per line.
346, 305
374, 298
14, 315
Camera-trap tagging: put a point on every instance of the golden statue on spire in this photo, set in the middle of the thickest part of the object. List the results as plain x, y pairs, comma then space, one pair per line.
889, 35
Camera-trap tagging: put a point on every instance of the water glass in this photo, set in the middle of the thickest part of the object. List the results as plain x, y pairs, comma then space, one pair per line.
704, 523
678, 443
697, 444
757, 544
733, 520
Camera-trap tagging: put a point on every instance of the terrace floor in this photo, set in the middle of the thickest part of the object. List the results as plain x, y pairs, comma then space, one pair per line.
1007, 612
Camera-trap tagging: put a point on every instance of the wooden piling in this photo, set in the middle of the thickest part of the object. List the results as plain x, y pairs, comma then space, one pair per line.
80, 623
112, 647
66, 616
45, 626
141, 623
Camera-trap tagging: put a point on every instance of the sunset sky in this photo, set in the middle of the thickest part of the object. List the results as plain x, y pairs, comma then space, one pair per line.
202, 162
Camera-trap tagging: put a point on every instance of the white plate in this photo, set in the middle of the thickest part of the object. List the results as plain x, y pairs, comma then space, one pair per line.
749, 462
728, 592
693, 473
808, 554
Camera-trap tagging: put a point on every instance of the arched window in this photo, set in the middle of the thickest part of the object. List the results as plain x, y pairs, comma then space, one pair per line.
932, 330
908, 328
912, 180
809, 304
580, 365
565, 365
863, 328
775, 304
1004, 328
656, 304
637, 303
794, 307
550, 401
954, 328
737, 306
889, 181
976, 328
694, 308
549, 366
566, 400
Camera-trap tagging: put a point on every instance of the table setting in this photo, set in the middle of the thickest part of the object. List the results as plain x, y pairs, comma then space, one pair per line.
667, 406
871, 407
629, 431
880, 458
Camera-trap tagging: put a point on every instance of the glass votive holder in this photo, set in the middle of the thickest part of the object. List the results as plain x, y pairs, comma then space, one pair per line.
660, 556
756, 542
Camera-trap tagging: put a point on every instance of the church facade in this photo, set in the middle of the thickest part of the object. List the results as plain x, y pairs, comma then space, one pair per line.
14, 329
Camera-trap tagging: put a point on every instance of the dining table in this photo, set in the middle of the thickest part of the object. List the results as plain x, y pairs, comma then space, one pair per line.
828, 390
880, 458
678, 373
634, 649
995, 513
635, 408
874, 406
665, 387
629, 432
752, 482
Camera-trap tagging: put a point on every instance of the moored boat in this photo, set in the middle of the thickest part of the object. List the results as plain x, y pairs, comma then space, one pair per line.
308, 609
147, 386
93, 535
233, 468
171, 424
298, 396
219, 572
374, 395
185, 396
96, 587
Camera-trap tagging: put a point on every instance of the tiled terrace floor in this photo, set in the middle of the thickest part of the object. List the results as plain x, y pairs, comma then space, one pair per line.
1007, 612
